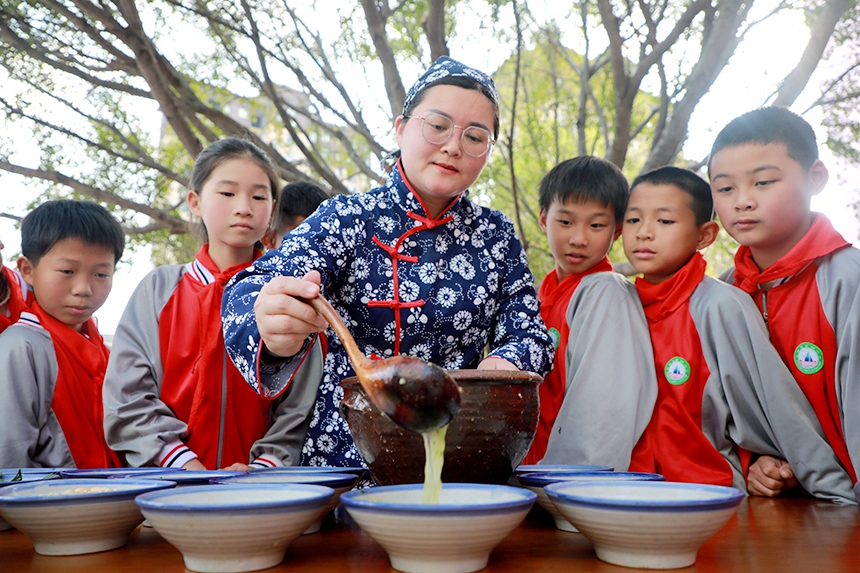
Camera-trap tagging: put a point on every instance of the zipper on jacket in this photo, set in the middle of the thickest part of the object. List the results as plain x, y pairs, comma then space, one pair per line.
764, 305
223, 408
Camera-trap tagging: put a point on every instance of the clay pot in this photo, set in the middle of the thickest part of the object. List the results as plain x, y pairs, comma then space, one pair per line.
486, 440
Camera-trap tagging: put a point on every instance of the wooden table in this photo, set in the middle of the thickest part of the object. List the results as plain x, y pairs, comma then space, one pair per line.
782, 536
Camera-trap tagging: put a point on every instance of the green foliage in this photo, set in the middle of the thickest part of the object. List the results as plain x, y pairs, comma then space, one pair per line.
546, 133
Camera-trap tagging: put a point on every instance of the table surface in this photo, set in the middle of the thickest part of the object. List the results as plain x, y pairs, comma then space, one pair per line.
782, 535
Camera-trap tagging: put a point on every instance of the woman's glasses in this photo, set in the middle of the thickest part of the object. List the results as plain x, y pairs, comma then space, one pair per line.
437, 129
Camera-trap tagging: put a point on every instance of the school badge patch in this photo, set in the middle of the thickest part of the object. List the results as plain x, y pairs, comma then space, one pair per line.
556, 336
808, 358
677, 371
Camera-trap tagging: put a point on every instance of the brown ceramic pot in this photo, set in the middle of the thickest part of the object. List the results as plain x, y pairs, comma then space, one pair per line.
486, 440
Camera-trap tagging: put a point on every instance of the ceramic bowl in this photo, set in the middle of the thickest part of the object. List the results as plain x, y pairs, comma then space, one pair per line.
340, 483
184, 477
234, 528
563, 468
25, 475
651, 525
359, 471
71, 517
486, 440
537, 481
103, 473
455, 536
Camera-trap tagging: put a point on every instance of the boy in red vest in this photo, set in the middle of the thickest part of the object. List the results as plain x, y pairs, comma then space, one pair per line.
597, 400
14, 295
720, 381
803, 275
53, 359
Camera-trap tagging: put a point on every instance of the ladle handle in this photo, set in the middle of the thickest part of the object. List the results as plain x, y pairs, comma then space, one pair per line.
327, 311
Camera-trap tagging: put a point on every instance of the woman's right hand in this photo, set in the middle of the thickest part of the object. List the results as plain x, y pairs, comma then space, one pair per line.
285, 321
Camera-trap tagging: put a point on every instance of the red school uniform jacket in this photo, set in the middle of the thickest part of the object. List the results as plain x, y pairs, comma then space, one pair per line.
172, 392
722, 385
19, 297
812, 311
554, 298
51, 377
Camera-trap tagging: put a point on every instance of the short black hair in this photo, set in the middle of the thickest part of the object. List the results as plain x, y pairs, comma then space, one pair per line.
54, 221
701, 200
770, 125
299, 199
586, 178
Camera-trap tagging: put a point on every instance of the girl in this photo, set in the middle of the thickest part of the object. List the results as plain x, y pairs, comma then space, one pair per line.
172, 398
413, 267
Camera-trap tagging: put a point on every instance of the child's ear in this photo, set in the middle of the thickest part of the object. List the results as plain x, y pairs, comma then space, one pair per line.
193, 201
618, 227
542, 220
707, 234
818, 176
25, 267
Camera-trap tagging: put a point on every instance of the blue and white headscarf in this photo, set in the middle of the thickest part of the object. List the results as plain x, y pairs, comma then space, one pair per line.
446, 67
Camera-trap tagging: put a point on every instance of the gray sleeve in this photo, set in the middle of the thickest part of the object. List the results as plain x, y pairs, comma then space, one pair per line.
137, 423
611, 381
292, 411
767, 411
30, 434
838, 278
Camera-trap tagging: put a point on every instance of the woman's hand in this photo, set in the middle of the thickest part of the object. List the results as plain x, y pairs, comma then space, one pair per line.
496, 363
285, 321
238, 467
770, 477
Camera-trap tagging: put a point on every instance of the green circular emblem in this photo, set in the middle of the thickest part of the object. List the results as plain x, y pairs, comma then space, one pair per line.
556, 336
677, 371
808, 358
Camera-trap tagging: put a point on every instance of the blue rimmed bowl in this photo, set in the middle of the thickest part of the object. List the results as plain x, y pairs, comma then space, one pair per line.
537, 481
564, 468
25, 475
237, 528
104, 473
184, 478
72, 517
455, 536
311, 469
652, 525
340, 483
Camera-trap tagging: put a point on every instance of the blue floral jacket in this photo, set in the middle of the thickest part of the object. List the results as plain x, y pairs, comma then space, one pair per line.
441, 289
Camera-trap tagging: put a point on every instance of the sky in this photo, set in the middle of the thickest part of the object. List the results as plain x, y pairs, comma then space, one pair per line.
766, 55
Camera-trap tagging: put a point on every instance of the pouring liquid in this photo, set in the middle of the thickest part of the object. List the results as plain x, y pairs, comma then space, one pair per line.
434, 457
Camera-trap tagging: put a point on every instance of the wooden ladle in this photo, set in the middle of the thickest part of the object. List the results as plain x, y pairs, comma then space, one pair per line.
415, 394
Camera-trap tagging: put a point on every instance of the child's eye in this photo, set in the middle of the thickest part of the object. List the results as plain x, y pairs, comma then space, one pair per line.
665, 221
632, 220
67, 271
764, 183
563, 222
226, 193
261, 197
102, 275
597, 225
724, 189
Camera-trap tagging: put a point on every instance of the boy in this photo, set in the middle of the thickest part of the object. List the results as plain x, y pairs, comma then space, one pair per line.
803, 276
720, 382
53, 360
14, 295
593, 407
296, 203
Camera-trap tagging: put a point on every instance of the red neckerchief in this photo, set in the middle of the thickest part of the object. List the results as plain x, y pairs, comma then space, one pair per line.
821, 239
554, 299
673, 443
77, 401
660, 300
245, 415
796, 317
17, 302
